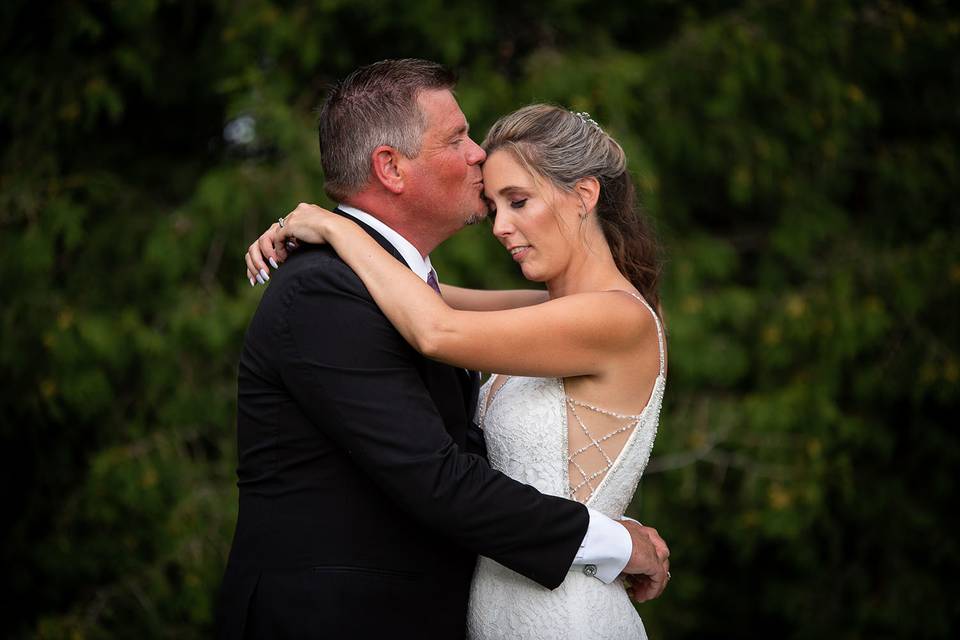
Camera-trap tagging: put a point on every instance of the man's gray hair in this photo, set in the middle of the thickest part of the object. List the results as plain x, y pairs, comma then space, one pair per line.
375, 105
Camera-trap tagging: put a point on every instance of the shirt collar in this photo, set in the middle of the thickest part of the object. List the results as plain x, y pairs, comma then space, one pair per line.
417, 263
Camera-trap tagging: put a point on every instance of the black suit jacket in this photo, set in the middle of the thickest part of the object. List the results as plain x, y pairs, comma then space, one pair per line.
364, 495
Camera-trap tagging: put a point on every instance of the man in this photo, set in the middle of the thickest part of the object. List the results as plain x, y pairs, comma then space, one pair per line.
364, 495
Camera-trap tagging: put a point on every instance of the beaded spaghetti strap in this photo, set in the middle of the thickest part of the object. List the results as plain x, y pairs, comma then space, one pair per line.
656, 320
587, 479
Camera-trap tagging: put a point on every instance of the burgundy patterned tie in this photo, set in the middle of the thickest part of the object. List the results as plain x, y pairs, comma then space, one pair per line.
432, 281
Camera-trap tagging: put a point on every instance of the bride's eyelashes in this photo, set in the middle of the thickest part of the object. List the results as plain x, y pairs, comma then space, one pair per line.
492, 208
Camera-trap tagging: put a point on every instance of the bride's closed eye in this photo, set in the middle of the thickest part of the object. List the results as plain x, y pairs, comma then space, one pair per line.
518, 204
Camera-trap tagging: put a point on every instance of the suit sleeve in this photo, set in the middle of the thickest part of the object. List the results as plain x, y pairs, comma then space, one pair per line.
356, 378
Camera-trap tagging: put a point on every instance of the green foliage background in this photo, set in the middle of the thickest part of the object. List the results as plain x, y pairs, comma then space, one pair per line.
800, 160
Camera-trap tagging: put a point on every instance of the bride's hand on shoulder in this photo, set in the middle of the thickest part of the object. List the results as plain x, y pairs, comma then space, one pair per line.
307, 223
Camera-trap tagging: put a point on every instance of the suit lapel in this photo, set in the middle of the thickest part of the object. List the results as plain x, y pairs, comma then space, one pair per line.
373, 233
469, 380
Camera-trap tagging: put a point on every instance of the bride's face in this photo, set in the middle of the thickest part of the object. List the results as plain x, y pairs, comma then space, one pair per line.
535, 221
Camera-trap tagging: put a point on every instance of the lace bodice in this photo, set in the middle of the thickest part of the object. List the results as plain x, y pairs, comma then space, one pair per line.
525, 425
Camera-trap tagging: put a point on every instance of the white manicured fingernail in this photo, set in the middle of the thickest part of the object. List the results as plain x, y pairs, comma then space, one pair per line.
260, 278
253, 282
263, 272
273, 263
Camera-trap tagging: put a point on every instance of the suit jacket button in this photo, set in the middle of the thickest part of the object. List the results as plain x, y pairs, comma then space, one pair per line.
590, 569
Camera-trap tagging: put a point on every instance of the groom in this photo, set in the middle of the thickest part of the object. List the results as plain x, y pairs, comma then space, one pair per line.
365, 495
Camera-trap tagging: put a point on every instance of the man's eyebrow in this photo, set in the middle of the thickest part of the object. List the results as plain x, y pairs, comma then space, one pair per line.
462, 129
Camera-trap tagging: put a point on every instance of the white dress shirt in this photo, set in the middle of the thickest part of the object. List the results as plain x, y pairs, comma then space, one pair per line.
606, 547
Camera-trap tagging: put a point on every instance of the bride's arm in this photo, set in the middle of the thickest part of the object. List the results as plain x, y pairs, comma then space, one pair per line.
569, 336
267, 252
490, 300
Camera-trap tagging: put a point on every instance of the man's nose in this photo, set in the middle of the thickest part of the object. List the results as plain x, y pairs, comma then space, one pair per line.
475, 154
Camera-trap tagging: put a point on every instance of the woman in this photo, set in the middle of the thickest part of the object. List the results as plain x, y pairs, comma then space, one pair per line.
573, 409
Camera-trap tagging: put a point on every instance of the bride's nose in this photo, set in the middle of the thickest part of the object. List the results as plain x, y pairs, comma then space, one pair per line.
502, 225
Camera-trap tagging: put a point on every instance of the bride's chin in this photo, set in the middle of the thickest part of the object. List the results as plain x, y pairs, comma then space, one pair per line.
531, 274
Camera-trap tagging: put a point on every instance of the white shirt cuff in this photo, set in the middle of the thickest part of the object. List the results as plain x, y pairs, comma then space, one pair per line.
605, 549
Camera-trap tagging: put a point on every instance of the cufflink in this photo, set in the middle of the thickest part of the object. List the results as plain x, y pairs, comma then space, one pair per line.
590, 570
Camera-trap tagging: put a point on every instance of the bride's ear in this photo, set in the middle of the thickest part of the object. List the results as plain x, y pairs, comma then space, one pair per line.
386, 168
588, 190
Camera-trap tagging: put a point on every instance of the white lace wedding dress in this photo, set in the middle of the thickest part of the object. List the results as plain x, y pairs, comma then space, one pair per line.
526, 427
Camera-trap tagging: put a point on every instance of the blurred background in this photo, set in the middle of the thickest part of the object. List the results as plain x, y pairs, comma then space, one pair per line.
800, 160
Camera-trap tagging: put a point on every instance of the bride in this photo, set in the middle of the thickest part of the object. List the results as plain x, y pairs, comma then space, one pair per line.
580, 370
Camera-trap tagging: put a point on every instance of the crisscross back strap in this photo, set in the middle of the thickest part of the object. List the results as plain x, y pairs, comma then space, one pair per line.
591, 481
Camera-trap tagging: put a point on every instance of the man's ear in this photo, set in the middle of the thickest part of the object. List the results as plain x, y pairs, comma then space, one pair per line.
386, 168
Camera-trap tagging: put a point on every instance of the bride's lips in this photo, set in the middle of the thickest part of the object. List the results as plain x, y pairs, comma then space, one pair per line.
519, 252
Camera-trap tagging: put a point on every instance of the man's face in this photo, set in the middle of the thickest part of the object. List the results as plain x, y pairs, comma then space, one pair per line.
445, 179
